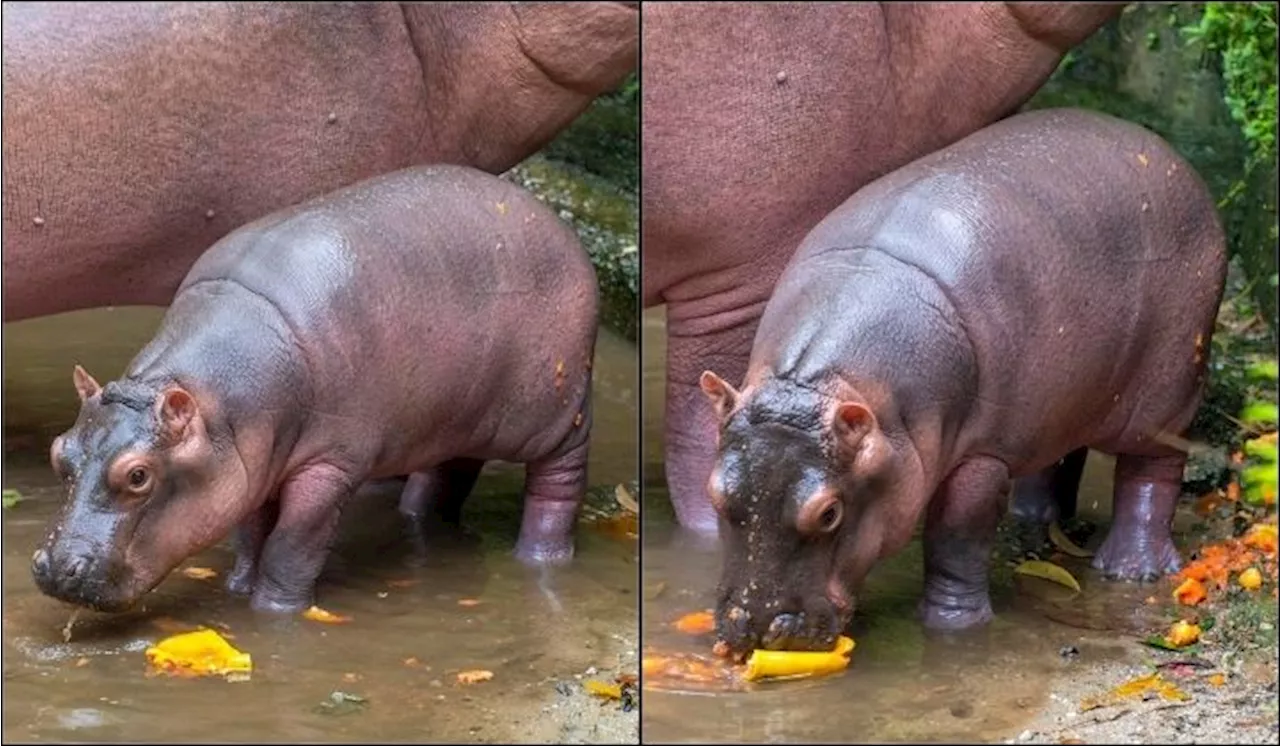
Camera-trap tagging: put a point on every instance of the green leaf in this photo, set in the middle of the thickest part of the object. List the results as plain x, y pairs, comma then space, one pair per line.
1260, 413
1158, 641
1265, 370
1206, 623
11, 498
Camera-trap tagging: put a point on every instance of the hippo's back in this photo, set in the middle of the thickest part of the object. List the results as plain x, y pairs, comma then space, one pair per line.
442, 287
1084, 258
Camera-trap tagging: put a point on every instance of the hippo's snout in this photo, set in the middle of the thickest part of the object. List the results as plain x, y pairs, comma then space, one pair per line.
74, 578
743, 631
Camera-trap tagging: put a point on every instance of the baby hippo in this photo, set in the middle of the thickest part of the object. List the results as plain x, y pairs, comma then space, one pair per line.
422, 321
1044, 286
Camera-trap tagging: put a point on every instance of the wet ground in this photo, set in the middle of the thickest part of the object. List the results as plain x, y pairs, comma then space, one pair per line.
1019, 679
541, 634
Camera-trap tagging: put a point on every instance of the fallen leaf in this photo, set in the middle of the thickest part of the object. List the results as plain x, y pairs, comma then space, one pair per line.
1048, 571
601, 689
468, 602
317, 614
199, 573
200, 653
1134, 688
1160, 642
1061, 541
10, 498
1216, 679
696, 623
1182, 634
625, 499
1189, 593
474, 677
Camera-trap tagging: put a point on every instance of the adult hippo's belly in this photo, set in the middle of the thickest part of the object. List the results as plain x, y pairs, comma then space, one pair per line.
137, 135
760, 118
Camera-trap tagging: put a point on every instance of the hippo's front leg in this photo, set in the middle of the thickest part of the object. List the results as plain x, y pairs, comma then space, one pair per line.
959, 532
296, 549
553, 490
250, 535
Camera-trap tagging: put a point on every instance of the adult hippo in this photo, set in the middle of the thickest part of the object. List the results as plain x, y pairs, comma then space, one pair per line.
760, 118
137, 135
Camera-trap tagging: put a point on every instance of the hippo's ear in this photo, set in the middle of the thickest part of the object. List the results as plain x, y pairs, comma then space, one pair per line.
723, 396
178, 411
86, 387
852, 423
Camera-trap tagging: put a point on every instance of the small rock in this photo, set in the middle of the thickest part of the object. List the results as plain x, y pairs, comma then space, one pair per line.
1025, 735
591, 671
1069, 652
780, 78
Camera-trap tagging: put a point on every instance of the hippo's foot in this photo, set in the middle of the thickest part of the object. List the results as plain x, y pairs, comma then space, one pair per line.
1044, 497
802, 631
553, 490
277, 601
960, 531
240, 580
1139, 545
1136, 554
953, 615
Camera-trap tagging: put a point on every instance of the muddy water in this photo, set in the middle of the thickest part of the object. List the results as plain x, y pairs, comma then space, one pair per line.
902, 684
538, 632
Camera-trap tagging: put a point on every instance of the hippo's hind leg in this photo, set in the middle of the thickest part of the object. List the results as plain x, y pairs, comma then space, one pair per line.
435, 497
1044, 497
1139, 545
553, 491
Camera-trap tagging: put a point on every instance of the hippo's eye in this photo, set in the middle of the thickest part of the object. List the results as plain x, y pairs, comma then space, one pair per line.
139, 478
830, 518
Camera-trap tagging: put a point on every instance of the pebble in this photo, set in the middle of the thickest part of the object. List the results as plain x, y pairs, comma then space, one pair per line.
780, 78
591, 671
1025, 735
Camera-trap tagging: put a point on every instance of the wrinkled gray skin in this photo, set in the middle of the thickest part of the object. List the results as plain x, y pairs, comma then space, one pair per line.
138, 134
423, 321
1046, 285
760, 118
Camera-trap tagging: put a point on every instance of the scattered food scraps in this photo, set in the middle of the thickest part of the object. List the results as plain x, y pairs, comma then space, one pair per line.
474, 677
199, 653
199, 573
1048, 571
10, 498
1263, 537
1135, 688
696, 623
690, 669
317, 614
603, 690
786, 664
1189, 593
1182, 634
1216, 679
1068, 547
1250, 580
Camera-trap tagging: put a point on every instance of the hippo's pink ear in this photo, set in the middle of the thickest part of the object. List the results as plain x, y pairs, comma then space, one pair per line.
86, 387
853, 422
177, 411
723, 396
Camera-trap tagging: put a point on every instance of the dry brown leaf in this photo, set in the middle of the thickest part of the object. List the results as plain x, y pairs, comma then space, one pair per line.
474, 677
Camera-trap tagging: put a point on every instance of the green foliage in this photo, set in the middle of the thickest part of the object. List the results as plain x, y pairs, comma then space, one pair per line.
1244, 37
1258, 479
605, 140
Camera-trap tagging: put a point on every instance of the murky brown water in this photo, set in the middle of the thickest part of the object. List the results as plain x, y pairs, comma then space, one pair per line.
902, 684
534, 630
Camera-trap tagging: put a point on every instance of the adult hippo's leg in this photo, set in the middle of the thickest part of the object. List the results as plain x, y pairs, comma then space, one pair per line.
1044, 497
436, 495
1139, 545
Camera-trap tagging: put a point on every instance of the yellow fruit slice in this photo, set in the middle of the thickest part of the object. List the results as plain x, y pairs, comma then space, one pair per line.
1065, 545
787, 664
200, 653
